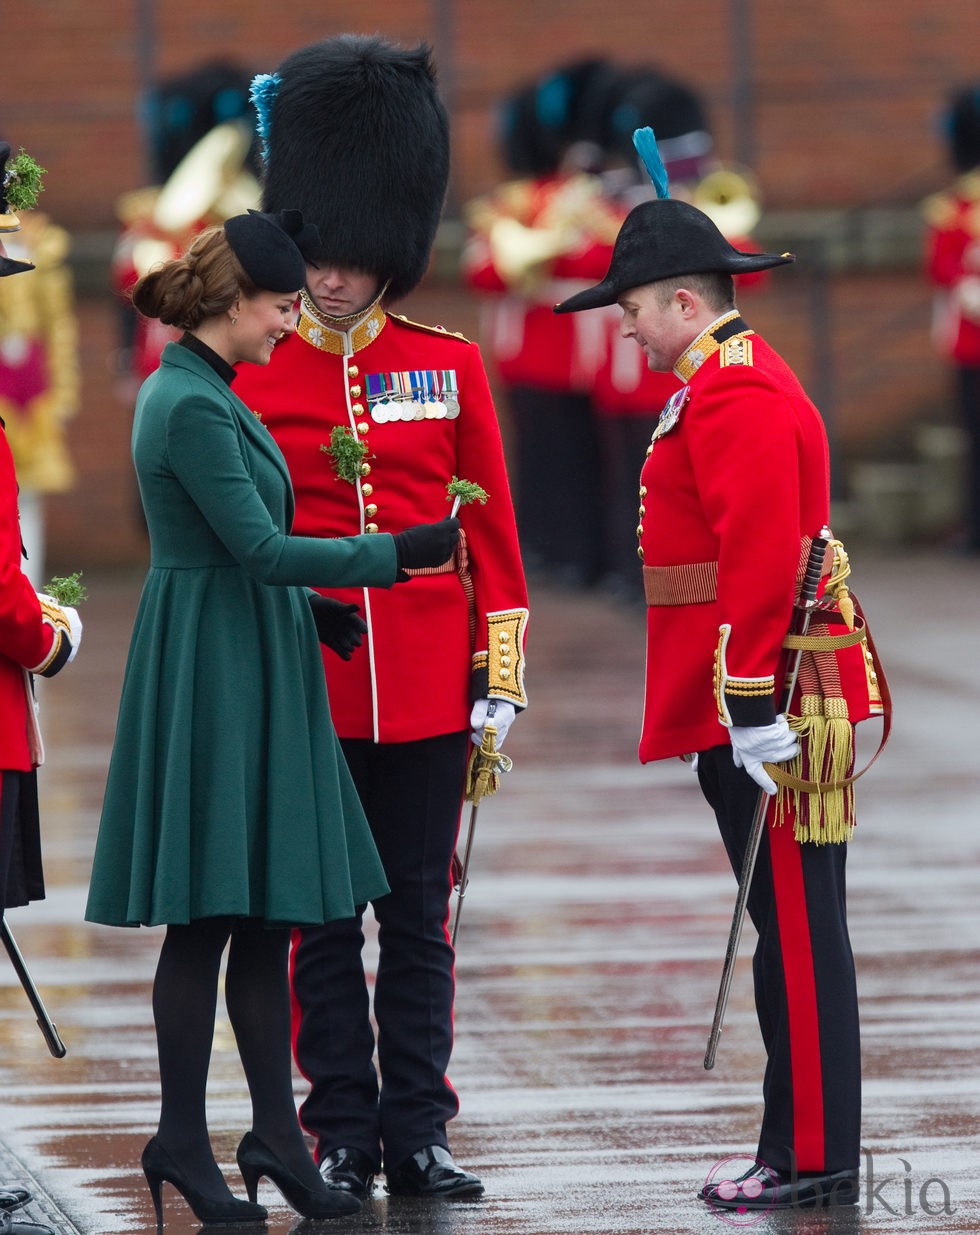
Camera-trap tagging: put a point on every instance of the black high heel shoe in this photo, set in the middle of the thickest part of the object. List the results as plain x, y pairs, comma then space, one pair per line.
255, 1159
160, 1168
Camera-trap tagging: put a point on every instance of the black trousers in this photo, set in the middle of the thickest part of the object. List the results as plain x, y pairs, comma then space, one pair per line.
21, 873
558, 483
412, 793
968, 392
805, 989
624, 441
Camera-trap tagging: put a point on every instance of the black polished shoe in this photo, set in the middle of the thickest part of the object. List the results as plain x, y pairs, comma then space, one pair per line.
256, 1159
13, 1198
432, 1172
348, 1170
764, 1188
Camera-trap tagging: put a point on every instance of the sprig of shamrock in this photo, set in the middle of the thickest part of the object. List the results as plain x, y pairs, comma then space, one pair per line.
461, 492
67, 590
22, 181
348, 453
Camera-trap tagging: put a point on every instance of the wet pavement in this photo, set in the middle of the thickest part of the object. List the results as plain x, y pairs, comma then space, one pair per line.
589, 956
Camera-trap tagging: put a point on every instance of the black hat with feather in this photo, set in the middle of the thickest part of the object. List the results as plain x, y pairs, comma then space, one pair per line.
357, 138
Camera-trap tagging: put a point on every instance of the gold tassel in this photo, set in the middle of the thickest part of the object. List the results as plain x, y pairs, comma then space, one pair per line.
484, 767
826, 758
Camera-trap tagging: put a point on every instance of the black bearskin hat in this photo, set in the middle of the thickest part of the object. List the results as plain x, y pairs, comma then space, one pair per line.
542, 119
179, 111
963, 126
673, 111
357, 138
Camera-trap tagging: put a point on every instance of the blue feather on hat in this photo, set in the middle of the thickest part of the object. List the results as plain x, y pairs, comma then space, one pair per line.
264, 88
646, 148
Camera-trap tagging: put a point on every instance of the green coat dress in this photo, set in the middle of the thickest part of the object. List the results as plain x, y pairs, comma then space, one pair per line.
227, 791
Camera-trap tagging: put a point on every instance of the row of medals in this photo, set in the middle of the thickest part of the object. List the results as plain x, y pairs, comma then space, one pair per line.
387, 410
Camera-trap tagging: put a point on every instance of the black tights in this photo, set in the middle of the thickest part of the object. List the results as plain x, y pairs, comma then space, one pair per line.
257, 998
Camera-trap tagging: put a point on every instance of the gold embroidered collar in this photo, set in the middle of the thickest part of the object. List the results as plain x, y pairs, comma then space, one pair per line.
709, 341
341, 336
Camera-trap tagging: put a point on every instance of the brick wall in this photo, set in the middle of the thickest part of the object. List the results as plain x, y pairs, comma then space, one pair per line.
842, 103
843, 95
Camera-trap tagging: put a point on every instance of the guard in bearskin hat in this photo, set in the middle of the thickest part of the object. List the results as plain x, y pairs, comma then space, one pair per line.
548, 228
953, 264
203, 158
734, 488
376, 415
37, 635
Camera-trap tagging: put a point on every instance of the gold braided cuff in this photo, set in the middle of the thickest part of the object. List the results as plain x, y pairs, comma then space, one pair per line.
753, 696
503, 661
54, 616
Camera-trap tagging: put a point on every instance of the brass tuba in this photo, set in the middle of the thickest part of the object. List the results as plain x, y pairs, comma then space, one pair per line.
209, 184
730, 199
526, 237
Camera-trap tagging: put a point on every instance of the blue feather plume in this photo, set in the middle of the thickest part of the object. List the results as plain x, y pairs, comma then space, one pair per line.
263, 91
646, 148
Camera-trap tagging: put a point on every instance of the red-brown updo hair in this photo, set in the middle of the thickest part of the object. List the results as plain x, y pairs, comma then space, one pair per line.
188, 290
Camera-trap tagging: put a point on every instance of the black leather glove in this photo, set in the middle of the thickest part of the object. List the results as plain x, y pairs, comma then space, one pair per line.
339, 627
426, 544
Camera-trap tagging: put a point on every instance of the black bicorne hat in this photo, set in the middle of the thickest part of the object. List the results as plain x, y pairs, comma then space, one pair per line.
662, 240
357, 138
272, 247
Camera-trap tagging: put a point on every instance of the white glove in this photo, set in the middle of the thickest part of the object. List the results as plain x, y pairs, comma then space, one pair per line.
61, 616
503, 718
74, 630
752, 746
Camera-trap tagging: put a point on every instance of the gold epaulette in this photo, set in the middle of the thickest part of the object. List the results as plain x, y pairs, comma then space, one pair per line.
426, 329
736, 351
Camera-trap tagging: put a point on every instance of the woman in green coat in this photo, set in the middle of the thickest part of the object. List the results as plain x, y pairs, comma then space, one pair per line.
229, 813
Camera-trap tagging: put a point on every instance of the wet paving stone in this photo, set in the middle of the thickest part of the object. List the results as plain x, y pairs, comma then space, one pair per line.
589, 955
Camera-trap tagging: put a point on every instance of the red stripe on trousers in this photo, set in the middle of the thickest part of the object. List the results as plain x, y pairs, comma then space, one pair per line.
801, 998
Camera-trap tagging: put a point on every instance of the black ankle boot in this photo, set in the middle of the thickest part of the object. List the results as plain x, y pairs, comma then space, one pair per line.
255, 1159
160, 1168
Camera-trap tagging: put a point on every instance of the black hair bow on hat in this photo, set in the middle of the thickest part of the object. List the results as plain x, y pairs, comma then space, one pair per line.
305, 236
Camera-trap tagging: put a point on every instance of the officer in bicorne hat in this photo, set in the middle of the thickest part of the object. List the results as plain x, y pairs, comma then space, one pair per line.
734, 484
356, 137
37, 635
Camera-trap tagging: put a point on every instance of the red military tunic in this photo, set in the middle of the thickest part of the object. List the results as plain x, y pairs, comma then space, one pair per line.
419, 400
953, 264
26, 640
736, 475
530, 344
623, 385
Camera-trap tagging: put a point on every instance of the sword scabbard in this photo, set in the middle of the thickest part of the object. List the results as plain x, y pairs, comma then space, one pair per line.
44, 1022
798, 626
